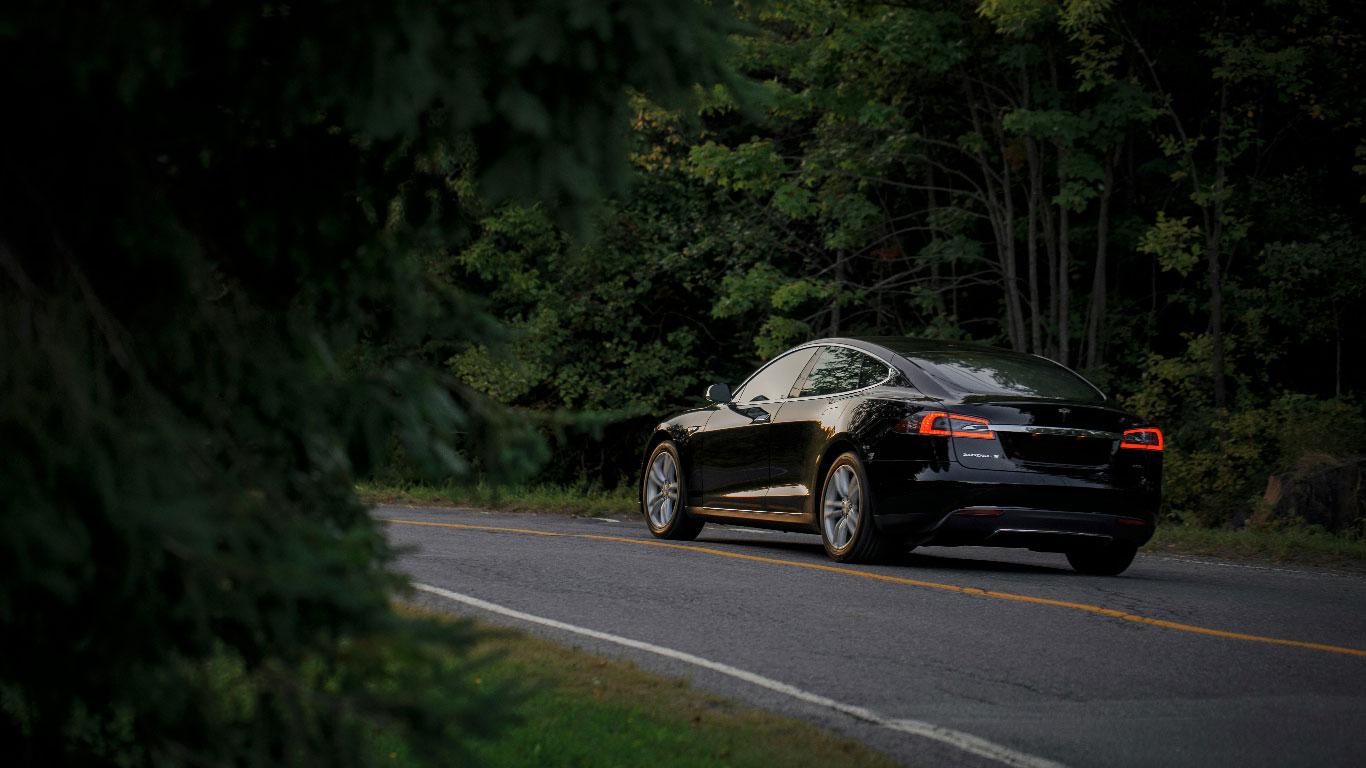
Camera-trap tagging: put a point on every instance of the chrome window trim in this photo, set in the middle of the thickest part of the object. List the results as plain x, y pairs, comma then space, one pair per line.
760, 370
891, 373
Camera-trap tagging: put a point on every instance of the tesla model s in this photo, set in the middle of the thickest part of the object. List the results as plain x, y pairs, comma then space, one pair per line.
884, 444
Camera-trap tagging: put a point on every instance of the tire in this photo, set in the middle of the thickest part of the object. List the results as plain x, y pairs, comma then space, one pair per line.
662, 496
1109, 560
845, 479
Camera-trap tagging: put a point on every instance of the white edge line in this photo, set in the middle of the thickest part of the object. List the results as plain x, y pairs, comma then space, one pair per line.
957, 739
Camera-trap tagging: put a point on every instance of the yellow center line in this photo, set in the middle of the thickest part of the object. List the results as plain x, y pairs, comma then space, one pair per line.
888, 578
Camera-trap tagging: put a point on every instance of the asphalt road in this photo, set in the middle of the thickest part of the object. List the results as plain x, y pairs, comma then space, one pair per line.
1046, 664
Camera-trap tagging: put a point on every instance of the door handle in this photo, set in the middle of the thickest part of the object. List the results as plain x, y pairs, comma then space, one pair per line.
754, 413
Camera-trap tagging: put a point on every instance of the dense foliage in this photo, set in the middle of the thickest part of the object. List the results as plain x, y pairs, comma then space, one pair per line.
1167, 196
217, 226
251, 252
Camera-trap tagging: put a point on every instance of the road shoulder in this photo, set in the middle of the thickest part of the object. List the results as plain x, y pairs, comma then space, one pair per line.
581, 708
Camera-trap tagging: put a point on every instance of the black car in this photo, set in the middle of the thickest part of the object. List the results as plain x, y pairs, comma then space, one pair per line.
884, 444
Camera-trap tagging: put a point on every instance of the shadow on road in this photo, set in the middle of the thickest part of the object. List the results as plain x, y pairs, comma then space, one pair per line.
918, 559
936, 562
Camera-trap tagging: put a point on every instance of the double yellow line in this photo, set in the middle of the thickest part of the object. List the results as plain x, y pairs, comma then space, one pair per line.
1010, 596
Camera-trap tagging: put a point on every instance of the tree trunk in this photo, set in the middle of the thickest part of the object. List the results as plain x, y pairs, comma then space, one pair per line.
936, 282
1064, 267
839, 286
1004, 230
1050, 241
1213, 243
953, 287
1095, 320
1017, 332
1001, 212
1337, 347
1035, 197
1216, 312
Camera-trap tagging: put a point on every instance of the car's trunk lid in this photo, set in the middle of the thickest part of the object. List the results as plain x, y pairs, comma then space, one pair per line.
1042, 435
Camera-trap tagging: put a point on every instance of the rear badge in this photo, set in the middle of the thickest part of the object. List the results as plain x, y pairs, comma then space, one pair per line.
981, 455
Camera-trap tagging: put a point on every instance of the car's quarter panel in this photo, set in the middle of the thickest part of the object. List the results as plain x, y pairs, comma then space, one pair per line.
897, 464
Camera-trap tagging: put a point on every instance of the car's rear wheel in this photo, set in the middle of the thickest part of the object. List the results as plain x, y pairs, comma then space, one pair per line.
846, 514
662, 496
1110, 560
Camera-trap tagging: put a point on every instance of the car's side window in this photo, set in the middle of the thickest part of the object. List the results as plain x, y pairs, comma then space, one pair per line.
874, 371
774, 381
841, 369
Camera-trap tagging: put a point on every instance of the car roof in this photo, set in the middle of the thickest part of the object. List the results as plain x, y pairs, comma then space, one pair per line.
901, 351
907, 345
910, 347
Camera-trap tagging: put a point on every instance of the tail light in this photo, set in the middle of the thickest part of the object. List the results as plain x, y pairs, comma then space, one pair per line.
1145, 439
945, 425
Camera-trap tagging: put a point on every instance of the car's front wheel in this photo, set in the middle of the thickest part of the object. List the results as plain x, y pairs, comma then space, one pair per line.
1110, 560
846, 514
662, 496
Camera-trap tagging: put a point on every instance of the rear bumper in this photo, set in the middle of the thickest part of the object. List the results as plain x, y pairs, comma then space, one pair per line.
1038, 529
949, 505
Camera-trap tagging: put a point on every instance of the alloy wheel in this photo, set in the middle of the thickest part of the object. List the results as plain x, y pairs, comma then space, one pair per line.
842, 507
661, 490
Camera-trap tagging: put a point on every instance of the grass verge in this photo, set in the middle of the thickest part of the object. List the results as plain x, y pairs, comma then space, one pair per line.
587, 710
1303, 546
569, 499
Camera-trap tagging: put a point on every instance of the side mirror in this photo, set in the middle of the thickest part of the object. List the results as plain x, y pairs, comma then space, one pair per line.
719, 394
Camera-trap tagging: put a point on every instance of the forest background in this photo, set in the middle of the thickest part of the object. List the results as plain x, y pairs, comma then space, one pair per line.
1167, 197
254, 253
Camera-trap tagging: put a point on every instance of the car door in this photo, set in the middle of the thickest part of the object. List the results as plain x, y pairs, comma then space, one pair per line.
805, 424
731, 458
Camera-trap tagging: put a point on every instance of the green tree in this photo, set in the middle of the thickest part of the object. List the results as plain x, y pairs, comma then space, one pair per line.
215, 230
1156, 193
609, 331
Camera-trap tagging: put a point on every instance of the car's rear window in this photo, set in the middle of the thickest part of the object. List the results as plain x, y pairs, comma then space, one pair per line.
985, 372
